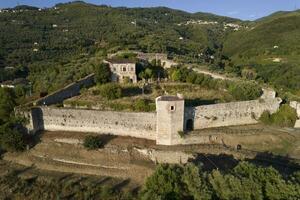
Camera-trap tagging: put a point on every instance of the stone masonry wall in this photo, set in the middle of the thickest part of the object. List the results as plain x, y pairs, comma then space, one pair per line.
230, 114
140, 125
296, 106
66, 92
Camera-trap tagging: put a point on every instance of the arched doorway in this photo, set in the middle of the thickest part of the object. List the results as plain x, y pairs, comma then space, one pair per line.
189, 125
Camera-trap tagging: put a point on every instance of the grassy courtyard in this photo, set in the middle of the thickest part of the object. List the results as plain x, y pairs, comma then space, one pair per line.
134, 98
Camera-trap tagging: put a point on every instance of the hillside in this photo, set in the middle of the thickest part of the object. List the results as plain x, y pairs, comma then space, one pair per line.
55, 46
271, 46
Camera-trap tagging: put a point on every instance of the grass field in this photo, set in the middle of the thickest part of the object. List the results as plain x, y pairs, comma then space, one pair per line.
194, 94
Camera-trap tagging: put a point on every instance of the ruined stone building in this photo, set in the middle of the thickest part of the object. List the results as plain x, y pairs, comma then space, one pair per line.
165, 61
122, 70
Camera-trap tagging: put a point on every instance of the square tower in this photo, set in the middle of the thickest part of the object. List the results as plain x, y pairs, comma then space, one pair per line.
170, 119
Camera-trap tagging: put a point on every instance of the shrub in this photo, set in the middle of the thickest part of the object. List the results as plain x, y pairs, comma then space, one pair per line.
142, 105
102, 73
191, 78
265, 118
286, 116
111, 91
12, 140
181, 134
245, 91
92, 142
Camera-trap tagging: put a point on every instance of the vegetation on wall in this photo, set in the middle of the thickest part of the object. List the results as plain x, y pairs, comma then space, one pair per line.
286, 116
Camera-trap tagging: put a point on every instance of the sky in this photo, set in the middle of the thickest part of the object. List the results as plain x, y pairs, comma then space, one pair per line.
242, 9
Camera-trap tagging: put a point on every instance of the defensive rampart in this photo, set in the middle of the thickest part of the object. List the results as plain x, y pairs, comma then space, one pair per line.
230, 114
140, 125
66, 92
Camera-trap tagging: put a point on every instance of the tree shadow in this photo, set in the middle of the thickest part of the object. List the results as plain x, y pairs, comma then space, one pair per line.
131, 91
119, 186
105, 139
200, 102
209, 162
283, 164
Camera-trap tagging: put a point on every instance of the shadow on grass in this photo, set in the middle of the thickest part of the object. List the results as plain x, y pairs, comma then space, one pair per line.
105, 139
282, 164
119, 186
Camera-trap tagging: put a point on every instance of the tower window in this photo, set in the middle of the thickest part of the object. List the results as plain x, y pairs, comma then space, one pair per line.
172, 108
124, 69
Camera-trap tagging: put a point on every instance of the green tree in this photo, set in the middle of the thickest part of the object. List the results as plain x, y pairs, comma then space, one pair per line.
164, 184
195, 184
7, 104
111, 91
245, 91
11, 139
102, 73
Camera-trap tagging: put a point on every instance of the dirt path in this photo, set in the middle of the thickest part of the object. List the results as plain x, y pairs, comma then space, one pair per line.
213, 75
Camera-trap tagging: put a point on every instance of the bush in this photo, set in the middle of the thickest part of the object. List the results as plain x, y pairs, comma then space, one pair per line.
286, 116
245, 91
265, 118
181, 134
111, 91
12, 140
143, 105
92, 142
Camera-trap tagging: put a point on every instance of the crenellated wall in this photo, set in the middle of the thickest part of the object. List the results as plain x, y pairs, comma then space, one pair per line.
230, 114
140, 125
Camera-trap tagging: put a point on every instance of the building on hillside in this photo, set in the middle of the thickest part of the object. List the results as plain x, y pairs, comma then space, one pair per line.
123, 70
165, 61
14, 83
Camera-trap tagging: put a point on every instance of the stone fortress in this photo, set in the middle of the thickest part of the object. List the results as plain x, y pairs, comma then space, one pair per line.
163, 126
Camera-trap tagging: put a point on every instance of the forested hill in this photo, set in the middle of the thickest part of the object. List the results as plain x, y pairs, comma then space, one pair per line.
52, 45
272, 47
55, 46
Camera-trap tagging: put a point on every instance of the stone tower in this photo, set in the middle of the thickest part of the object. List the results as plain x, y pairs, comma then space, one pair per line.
170, 119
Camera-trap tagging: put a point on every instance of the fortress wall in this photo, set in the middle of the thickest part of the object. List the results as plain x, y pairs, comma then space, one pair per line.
66, 92
296, 106
140, 125
230, 114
